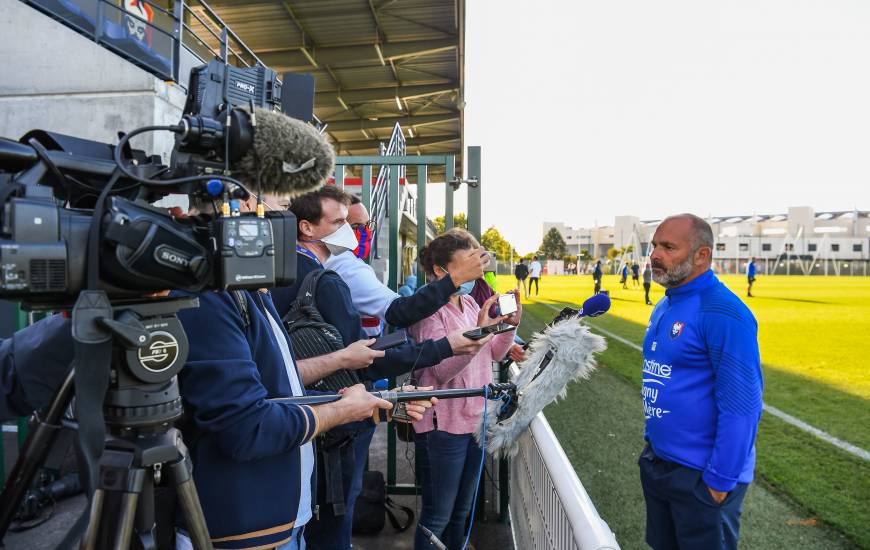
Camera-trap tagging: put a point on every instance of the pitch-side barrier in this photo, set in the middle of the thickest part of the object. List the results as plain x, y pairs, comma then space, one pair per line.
549, 508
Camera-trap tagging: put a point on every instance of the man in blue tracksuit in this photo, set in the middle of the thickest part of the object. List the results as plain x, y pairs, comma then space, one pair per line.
701, 393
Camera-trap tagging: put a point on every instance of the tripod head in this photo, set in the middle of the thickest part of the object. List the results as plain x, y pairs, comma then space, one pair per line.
149, 348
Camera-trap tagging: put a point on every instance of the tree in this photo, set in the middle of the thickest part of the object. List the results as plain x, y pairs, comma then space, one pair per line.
459, 220
613, 253
492, 240
553, 246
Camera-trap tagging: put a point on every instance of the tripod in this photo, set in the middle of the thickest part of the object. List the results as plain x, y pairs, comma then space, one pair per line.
149, 347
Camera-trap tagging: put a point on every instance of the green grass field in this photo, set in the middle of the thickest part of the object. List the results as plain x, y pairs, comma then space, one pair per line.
813, 332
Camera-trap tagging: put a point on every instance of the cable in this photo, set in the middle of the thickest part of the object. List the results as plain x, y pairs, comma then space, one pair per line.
170, 182
480, 471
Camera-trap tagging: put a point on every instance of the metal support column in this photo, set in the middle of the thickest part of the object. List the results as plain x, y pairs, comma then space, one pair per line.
474, 191
422, 178
395, 218
367, 187
339, 176
449, 175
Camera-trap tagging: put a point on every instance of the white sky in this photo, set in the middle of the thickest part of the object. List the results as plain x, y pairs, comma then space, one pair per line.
590, 109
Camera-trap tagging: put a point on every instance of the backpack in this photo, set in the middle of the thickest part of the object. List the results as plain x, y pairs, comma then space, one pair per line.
311, 336
373, 503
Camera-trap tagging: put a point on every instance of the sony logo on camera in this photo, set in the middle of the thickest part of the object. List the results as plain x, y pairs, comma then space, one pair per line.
246, 87
171, 257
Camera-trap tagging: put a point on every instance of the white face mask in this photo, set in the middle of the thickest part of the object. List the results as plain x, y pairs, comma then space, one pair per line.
341, 241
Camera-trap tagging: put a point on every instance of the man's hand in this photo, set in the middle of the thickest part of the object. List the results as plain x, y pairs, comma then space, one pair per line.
462, 345
358, 404
359, 355
718, 496
468, 265
416, 409
355, 404
517, 354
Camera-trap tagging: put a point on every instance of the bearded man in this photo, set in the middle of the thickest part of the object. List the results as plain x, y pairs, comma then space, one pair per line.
701, 393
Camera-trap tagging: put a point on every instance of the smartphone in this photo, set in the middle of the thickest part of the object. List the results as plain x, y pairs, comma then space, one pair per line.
391, 340
507, 304
482, 332
475, 334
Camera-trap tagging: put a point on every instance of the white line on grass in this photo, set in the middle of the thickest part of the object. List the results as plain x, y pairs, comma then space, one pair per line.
784, 416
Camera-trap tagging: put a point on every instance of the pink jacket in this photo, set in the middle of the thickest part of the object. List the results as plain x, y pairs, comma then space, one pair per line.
457, 416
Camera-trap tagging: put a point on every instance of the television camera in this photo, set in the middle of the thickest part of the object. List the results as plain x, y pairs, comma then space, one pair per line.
77, 227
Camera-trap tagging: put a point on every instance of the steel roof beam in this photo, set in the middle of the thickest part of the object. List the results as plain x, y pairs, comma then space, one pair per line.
359, 145
288, 58
371, 95
389, 122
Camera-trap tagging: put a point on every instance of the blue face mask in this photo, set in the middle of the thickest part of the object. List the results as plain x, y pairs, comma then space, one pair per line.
464, 288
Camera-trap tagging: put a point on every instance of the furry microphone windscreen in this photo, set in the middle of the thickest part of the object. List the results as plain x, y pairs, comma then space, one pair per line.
574, 347
290, 156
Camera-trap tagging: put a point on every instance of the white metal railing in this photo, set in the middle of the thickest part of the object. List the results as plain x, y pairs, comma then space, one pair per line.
550, 509
395, 147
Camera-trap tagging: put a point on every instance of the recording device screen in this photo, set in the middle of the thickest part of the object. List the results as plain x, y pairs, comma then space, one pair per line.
507, 304
248, 229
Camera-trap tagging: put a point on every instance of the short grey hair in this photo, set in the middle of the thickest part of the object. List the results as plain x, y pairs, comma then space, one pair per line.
702, 233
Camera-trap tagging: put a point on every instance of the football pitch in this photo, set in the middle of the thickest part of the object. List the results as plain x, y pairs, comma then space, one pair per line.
814, 334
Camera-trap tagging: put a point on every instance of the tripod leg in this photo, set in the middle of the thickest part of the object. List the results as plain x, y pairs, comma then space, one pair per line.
36, 448
190, 505
128, 516
89, 541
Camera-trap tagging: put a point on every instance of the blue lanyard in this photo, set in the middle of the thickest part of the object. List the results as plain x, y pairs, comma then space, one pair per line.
302, 250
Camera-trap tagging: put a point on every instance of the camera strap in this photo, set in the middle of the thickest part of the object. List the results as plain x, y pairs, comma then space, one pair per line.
92, 359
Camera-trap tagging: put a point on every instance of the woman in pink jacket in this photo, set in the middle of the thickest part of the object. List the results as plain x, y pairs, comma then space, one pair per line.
449, 456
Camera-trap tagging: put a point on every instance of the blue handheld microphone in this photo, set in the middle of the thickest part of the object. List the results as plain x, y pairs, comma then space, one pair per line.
595, 305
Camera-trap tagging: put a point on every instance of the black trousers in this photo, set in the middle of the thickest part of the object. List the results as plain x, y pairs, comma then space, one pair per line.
535, 281
680, 512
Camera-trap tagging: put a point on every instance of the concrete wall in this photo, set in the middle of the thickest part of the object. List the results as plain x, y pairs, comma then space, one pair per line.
56, 79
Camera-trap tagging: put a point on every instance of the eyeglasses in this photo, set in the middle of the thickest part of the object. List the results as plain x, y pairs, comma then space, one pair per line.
370, 225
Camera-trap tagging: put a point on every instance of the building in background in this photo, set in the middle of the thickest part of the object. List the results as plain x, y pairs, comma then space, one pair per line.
798, 242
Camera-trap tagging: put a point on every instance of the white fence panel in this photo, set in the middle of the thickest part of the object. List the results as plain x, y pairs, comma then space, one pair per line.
550, 509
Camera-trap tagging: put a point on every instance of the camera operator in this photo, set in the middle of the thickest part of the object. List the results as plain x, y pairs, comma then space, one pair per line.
33, 364
374, 300
250, 453
323, 230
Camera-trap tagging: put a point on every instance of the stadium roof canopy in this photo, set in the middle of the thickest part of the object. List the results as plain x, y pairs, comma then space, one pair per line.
375, 63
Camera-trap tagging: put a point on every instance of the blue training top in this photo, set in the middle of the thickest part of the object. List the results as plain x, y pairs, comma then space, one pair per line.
702, 381
750, 269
